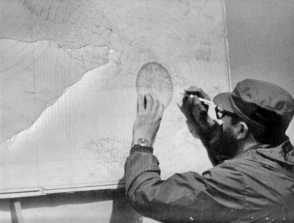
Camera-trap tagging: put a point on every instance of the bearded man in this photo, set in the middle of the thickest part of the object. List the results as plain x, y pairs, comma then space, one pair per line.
253, 176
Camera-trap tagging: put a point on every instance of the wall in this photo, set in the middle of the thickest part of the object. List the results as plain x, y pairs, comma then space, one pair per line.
261, 43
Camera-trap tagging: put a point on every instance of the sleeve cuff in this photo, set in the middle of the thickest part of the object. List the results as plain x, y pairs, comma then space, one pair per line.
144, 149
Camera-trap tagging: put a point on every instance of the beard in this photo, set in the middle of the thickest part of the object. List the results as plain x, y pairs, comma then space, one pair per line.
225, 146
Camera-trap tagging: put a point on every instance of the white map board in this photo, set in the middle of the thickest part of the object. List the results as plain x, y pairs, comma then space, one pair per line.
70, 73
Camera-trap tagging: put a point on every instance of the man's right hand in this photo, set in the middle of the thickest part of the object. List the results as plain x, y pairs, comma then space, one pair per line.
193, 108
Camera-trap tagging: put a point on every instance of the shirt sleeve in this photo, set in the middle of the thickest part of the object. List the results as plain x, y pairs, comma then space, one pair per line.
214, 196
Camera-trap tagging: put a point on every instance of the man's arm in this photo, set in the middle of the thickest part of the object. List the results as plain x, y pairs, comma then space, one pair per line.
188, 197
182, 197
199, 121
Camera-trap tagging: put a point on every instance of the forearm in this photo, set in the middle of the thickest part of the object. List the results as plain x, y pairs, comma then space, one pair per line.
137, 164
152, 197
141, 168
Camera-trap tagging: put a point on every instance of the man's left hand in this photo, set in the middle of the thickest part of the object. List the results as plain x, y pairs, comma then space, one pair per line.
148, 118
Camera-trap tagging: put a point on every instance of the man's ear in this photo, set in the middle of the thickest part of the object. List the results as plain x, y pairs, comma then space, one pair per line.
243, 130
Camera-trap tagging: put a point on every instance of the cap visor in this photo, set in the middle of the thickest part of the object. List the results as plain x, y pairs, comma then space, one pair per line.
222, 100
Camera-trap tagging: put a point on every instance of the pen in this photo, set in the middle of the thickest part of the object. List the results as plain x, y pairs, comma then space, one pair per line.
207, 102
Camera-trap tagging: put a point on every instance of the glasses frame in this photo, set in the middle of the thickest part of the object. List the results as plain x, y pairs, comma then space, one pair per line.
221, 113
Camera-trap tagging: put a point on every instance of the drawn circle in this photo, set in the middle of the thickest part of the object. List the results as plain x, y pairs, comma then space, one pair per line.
154, 79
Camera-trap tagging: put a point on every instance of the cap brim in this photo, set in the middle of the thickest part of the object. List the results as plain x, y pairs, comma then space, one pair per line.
222, 100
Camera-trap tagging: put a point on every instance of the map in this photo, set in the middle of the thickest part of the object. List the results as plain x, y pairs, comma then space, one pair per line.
71, 71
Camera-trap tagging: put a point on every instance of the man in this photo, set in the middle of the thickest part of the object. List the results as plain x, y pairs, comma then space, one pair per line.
253, 180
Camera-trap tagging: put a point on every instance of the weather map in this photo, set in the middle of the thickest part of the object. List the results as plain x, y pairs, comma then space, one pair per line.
71, 71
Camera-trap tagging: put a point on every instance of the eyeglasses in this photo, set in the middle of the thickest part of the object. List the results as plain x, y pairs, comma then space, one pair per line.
221, 113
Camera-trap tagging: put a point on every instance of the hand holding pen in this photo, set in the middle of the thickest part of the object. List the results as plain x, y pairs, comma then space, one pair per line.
195, 107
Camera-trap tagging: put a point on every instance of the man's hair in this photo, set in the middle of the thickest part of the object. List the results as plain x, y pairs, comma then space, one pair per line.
235, 120
273, 134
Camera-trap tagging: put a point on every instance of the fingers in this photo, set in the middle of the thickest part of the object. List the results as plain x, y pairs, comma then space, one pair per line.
149, 102
160, 111
194, 104
155, 105
197, 91
140, 103
198, 105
